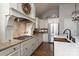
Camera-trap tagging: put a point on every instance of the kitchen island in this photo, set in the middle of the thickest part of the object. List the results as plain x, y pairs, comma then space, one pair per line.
66, 49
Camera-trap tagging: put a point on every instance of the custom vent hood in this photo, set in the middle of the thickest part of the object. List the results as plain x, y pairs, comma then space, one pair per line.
75, 14
16, 13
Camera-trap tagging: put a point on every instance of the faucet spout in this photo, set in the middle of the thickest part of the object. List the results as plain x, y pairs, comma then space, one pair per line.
69, 33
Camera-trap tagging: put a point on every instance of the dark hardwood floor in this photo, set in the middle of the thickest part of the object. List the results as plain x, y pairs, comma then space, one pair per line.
45, 49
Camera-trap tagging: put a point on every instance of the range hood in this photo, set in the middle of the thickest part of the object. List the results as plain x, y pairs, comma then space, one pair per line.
75, 14
18, 14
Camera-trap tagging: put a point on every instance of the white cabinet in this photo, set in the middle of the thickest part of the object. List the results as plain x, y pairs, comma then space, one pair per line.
25, 48
28, 47
45, 37
15, 53
4, 52
14, 48
39, 37
35, 44
11, 51
24, 51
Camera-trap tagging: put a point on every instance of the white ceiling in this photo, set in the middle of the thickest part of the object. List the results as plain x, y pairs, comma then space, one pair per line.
42, 8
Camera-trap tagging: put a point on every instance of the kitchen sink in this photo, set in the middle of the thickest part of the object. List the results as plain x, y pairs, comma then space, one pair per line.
61, 39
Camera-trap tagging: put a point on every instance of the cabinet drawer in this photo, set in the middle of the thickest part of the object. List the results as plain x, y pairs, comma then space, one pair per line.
14, 48
4, 52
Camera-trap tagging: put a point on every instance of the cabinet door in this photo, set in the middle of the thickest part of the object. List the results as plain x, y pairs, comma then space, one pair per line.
36, 43
24, 51
15, 53
45, 37
26, 48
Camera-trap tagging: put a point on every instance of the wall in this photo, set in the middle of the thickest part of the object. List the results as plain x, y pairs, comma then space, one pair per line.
65, 17
77, 21
19, 28
37, 25
78, 28
32, 13
3, 11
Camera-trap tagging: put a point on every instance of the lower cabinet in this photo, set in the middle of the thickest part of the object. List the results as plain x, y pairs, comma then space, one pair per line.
4, 52
28, 47
24, 51
15, 53
25, 48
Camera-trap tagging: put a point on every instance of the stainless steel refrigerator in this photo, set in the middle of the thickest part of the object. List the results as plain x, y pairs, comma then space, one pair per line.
52, 31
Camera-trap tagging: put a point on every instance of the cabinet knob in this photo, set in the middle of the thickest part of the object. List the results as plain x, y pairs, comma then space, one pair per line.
26, 48
14, 48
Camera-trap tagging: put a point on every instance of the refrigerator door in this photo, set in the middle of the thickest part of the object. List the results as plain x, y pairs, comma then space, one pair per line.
52, 31
55, 28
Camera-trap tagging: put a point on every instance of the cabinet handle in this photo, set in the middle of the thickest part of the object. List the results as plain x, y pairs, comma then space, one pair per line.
14, 48
26, 48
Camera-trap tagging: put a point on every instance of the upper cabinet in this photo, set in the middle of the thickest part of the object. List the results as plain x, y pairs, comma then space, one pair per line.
37, 25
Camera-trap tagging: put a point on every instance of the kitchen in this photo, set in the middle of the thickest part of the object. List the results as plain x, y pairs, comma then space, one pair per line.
39, 29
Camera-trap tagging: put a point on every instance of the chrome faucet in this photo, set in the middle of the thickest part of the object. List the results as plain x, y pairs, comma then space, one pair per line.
68, 34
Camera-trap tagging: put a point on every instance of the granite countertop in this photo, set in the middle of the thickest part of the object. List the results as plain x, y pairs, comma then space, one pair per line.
5, 45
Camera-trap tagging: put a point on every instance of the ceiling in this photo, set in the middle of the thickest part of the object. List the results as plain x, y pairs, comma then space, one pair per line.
42, 8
